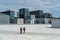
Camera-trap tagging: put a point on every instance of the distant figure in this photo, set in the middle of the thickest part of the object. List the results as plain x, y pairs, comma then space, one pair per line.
21, 30
24, 30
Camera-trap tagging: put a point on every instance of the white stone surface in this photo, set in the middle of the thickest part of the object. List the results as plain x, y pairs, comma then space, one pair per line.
33, 32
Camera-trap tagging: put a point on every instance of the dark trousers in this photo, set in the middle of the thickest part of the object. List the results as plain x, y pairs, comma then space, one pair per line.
20, 31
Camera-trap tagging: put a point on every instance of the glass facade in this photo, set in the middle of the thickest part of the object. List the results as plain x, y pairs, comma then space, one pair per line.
39, 21
37, 13
47, 15
24, 13
12, 14
12, 17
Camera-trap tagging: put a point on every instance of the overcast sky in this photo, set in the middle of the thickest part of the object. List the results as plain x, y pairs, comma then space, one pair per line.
49, 6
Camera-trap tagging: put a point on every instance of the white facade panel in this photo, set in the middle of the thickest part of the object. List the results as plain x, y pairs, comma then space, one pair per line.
20, 21
4, 19
56, 23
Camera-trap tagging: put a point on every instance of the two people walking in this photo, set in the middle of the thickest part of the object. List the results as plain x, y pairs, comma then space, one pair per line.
22, 29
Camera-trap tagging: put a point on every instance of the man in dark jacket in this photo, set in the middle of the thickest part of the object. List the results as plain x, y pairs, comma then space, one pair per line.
24, 29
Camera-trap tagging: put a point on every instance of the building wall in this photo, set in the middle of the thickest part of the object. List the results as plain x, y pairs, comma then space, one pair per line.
47, 20
4, 19
39, 21
28, 21
56, 23
32, 16
33, 21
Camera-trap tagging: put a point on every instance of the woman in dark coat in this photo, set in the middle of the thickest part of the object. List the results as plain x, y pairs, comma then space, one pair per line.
20, 29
